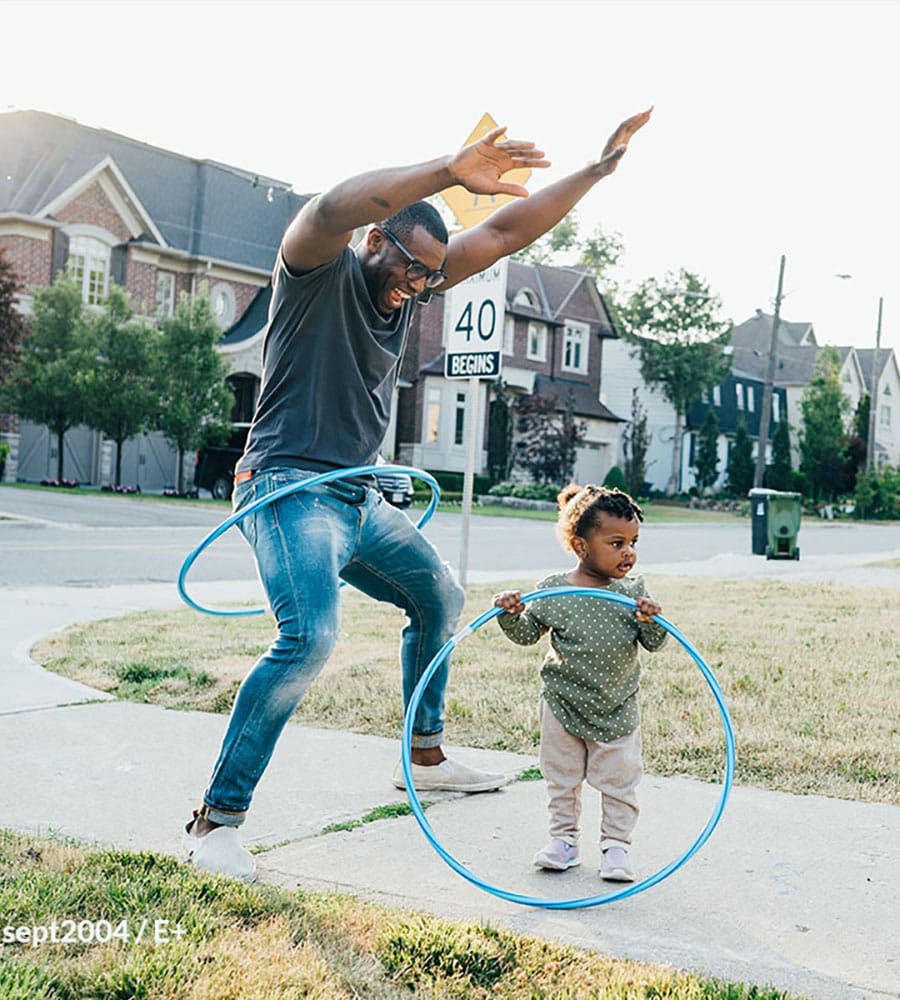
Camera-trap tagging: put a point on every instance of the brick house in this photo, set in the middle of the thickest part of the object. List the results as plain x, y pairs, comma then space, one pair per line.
555, 327
109, 208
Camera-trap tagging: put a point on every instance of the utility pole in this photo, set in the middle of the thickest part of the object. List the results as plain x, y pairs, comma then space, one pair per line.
873, 394
764, 417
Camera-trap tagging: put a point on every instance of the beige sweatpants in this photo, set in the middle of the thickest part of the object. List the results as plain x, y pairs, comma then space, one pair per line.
613, 768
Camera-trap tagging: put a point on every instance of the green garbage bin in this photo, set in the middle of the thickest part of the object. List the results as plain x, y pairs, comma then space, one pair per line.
783, 524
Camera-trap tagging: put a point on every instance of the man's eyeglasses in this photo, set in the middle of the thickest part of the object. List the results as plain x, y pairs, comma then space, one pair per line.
415, 269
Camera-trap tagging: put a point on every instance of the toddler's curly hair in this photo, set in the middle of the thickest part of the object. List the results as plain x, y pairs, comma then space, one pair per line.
580, 508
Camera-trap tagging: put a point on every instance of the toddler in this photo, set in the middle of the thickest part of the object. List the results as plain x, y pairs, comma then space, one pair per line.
589, 713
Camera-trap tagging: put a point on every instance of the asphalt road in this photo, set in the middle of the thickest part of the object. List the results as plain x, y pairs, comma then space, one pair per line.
81, 539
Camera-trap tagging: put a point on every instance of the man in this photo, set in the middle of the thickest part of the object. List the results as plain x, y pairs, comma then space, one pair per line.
337, 326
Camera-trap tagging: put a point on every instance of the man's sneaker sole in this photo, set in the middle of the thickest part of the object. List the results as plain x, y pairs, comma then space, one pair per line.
449, 777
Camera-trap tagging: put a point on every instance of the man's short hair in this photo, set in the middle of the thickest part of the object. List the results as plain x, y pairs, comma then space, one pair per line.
419, 213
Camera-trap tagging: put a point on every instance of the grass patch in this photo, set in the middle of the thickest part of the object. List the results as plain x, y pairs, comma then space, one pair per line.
391, 811
811, 673
211, 938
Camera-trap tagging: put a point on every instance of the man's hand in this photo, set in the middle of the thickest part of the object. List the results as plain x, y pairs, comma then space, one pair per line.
617, 143
479, 167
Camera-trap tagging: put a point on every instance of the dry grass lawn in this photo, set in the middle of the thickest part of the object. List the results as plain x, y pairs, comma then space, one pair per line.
811, 674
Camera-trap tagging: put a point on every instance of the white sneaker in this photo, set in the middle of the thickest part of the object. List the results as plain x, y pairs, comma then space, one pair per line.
220, 852
558, 855
449, 776
614, 865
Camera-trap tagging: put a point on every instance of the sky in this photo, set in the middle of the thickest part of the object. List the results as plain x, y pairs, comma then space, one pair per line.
774, 130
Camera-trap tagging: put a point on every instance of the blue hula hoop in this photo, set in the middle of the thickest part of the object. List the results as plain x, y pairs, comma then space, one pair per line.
284, 491
609, 897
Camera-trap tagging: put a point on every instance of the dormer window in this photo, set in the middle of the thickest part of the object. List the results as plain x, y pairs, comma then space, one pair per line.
526, 297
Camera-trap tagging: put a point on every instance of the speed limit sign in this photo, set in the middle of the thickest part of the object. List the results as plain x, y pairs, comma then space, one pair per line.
473, 324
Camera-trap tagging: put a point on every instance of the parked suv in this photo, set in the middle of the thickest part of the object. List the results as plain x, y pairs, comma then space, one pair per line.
215, 463
395, 487
215, 471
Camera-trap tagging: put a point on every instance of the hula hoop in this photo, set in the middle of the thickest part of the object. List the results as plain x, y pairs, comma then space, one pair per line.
608, 897
303, 484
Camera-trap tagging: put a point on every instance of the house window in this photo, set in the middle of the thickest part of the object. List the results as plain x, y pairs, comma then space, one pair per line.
433, 416
884, 415
89, 267
751, 399
575, 347
717, 395
165, 293
509, 335
459, 427
739, 394
526, 297
776, 408
537, 342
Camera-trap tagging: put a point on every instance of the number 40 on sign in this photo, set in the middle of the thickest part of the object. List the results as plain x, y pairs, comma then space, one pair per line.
474, 324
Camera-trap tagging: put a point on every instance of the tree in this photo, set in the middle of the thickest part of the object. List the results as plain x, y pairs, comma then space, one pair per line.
861, 418
12, 324
548, 438
857, 444
500, 433
780, 473
706, 463
195, 401
679, 336
121, 397
741, 468
635, 443
823, 437
600, 253
561, 238
48, 381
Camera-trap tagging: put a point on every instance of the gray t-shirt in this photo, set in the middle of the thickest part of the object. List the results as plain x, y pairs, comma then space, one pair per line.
329, 365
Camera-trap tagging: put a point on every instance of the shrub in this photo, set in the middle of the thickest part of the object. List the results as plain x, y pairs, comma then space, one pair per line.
615, 479
526, 491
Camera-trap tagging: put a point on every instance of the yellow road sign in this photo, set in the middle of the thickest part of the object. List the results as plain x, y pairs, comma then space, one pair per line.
469, 209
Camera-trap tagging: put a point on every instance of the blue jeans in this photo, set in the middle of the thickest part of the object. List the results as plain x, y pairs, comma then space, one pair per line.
303, 543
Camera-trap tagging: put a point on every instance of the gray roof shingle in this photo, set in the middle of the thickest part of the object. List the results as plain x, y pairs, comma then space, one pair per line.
201, 207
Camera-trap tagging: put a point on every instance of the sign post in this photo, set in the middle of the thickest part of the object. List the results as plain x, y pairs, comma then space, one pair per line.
474, 314
473, 326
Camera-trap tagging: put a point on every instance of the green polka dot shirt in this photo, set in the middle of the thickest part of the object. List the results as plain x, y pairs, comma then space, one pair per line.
592, 670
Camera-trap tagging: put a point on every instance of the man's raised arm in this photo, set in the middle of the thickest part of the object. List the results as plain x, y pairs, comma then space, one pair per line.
518, 224
325, 224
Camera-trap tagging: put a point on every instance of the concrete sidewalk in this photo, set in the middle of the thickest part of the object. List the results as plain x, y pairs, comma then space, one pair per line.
794, 892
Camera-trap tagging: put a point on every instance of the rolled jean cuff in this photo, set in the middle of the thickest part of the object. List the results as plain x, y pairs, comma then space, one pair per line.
427, 741
221, 816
